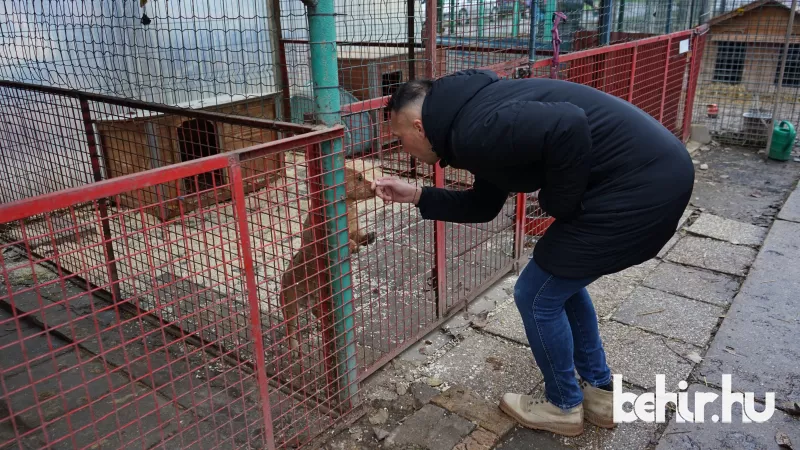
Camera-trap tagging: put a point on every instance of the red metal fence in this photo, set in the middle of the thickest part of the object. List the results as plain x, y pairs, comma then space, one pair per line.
657, 74
144, 309
164, 278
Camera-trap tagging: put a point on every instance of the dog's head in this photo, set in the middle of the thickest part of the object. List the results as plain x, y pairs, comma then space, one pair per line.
357, 184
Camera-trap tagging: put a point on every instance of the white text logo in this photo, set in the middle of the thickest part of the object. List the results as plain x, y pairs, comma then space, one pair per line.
651, 406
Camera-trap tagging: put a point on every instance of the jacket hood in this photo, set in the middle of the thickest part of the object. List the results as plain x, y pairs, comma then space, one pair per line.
443, 103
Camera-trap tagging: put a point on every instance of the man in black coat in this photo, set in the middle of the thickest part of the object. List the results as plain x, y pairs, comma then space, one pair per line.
613, 178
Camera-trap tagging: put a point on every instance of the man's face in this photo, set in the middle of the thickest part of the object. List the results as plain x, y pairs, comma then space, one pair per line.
407, 126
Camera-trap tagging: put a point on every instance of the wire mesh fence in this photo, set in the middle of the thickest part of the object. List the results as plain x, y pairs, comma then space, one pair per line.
56, 141
129, 296
654, 74
179, 240
184, 244
208, 54
741, 94
81, 369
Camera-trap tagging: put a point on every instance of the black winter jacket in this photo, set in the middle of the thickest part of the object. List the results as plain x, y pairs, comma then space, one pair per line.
615, 180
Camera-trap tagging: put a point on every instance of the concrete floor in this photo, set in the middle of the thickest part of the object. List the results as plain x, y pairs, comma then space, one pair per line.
718, 299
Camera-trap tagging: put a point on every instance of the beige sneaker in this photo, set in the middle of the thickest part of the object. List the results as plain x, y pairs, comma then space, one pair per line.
539, 414
598, 405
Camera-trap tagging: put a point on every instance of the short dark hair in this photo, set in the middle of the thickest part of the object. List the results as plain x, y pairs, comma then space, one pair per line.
408, 93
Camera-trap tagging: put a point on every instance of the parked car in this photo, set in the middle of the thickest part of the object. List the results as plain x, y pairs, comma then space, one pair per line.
465, 10
506, 8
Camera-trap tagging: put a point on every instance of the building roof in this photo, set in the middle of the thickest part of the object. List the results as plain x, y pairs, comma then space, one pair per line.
224, 99
114, 113
369, 52
747, 8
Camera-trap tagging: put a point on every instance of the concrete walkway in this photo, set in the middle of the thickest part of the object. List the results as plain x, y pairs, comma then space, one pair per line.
718, 299
758, 345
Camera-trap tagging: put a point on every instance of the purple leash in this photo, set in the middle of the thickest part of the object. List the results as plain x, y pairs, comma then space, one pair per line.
557, 18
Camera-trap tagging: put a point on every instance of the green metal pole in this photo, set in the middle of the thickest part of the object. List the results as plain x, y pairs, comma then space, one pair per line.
480, 18
515, 20
439, 22
549, 10
325, 78
452, 17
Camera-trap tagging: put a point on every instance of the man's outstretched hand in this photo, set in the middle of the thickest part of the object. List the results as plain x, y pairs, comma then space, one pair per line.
392, 189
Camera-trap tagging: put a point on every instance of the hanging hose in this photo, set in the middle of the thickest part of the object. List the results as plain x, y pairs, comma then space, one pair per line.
557, 18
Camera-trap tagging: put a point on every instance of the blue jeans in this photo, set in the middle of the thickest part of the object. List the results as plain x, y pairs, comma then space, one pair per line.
561, 325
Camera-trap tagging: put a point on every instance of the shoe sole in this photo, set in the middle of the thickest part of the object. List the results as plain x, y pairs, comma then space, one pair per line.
564, 430
598, 420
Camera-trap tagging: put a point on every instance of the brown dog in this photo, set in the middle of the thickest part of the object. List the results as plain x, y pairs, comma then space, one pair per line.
301, 281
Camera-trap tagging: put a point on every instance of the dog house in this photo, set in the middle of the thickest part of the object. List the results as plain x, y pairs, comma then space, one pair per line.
360, 127
137, 141
740, 73
369, 72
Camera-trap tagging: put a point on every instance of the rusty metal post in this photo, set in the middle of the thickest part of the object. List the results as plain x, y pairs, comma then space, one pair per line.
237, 196
633, 74
430, 37
439, 272
278, 46
102, 203
695, 57
411, 38
519, 231
664, 82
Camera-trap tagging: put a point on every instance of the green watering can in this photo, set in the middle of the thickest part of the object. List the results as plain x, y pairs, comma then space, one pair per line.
782, 141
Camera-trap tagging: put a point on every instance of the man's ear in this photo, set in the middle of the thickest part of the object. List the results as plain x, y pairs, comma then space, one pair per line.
418, 126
